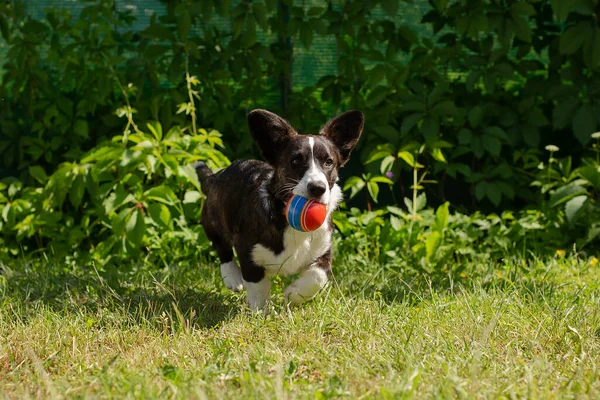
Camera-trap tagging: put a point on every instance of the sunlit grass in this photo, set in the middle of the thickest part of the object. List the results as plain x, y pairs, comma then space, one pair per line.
528, 330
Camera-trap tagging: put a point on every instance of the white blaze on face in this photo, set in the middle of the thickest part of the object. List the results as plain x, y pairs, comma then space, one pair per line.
313, 174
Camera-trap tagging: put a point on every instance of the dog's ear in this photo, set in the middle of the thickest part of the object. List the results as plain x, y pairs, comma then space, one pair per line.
270, 133
344, 131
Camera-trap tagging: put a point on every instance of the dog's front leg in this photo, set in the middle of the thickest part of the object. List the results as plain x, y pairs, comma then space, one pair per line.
310, 282
256, 282
258, 293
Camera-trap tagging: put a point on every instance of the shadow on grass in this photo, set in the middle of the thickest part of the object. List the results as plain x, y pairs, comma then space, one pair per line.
169, 300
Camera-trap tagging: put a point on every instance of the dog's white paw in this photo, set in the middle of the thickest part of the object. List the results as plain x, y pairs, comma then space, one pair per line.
306, 287
295, 297
232, 276
258, 294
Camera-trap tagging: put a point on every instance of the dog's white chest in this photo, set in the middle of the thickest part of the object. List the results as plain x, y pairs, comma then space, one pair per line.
300, 249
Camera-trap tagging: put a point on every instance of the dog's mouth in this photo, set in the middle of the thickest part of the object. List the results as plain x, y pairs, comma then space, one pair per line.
322, 198
285, 191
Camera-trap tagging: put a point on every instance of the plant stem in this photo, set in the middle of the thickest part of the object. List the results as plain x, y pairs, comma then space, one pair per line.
191, 96
414, 204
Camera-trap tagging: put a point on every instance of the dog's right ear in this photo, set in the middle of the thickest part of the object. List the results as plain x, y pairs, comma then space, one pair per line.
270, 132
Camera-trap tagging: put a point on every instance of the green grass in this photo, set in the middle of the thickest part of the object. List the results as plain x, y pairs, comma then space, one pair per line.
526, 330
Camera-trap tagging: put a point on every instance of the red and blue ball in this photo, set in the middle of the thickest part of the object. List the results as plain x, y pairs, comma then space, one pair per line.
305, 215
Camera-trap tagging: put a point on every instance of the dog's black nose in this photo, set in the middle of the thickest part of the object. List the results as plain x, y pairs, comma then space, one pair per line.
316, 189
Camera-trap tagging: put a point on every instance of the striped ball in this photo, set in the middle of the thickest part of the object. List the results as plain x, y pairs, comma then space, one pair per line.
304, 214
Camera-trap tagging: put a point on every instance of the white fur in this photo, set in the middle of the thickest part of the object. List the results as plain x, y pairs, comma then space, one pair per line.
232, 276
312, 175
300, 249
306, 287
258, 293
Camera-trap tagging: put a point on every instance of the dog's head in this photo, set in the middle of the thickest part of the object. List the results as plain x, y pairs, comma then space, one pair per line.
306, 165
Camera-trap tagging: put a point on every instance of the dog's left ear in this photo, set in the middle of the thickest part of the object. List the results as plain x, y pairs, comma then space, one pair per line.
344, 131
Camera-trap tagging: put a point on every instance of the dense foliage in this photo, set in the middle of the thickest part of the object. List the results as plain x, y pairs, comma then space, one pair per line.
99, 123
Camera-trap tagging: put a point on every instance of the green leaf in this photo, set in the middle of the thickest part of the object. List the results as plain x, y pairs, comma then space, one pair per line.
522, 8
477, 147
475, 116
135, 227
395, 222
591, 174
38, 173
441, 217
491, 144
584, 123
480, 190
496, 131
562, 8
184, 24
378, 153
77, 190
522, 29
260, 13
4, 29
573, 38
430, 128
493, 193
432, 244
565, 193
472, 79
421, 201
591, 52
160, 214
564, 112
409, 123
156, 129
376, 75
189, 173
386, 164
355, 184
465, 136
249, 37
373, 189
387, 132
191, 197
381, 179
306, 34
81, 128
407, 157
438, 155
377, 95
390, 7
506, 189
162, 193
118, 221
574, 206
535, 117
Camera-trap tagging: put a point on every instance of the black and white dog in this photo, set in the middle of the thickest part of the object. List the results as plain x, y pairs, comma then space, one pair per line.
245, 206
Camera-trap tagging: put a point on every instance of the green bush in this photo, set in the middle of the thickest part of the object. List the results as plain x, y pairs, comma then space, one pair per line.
129, 199
458, 110
495, 81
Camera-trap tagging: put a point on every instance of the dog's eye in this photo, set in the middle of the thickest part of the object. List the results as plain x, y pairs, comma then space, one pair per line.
296, 161
329, 162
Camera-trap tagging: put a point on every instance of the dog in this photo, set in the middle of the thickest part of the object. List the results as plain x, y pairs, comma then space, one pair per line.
245, 206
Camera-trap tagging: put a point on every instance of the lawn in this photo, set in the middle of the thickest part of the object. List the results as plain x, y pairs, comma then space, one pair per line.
526, 329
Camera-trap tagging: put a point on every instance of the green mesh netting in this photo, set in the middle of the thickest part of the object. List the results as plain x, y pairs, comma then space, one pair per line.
309, 65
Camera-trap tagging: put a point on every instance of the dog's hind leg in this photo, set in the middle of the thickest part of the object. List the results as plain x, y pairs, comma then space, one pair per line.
230, 272
310, 282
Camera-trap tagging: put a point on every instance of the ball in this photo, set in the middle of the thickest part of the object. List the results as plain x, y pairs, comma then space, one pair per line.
305, 215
